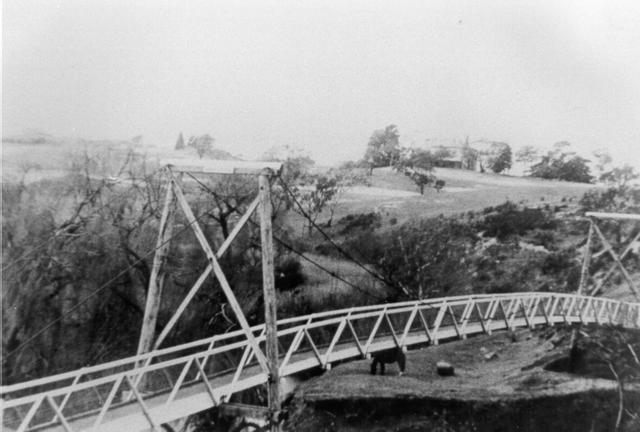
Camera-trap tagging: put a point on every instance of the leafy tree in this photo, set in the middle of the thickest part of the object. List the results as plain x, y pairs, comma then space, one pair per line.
619, 176
180, 142
315, 196
425, 258
561, 164
603, 160
422, 159
527, 154
418, 165
203, 144
230, 196
383, 148
500, 158
93, 228
469, 156
484, 153
422, 180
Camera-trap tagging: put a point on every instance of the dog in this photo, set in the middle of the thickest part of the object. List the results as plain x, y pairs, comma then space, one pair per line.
388, 356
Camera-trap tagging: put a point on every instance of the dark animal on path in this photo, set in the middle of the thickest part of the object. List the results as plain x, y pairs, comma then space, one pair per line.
388, 356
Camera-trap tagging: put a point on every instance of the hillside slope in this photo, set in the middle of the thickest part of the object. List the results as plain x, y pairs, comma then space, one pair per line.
396, 196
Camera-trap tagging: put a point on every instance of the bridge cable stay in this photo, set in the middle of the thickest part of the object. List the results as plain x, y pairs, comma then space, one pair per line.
323, 268
594, 217
300, 254
335, 245
99, 289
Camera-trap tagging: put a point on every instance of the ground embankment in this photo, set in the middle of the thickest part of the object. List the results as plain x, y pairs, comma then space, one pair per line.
499, 385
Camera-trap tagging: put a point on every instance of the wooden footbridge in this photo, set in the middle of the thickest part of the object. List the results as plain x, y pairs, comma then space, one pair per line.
162, 385
142, 392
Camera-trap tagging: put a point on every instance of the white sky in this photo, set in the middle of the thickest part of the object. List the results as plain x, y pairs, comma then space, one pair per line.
322, 75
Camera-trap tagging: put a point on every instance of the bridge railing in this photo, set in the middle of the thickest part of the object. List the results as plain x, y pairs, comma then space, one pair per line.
223, 365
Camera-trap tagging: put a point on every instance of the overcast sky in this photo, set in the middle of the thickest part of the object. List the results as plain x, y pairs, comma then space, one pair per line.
323, 75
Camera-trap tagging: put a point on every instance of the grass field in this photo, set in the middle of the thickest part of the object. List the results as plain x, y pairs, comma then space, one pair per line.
396, 196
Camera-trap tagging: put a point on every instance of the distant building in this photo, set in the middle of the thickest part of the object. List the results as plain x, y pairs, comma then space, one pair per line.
449, 157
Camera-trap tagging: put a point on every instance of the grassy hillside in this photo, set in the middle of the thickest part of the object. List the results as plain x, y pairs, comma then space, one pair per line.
396, 196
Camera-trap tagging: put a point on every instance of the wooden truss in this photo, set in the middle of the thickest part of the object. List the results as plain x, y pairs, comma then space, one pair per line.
262, 202
189, 378
608, 249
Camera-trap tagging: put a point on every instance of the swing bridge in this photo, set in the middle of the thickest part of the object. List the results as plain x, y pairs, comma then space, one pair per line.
161, 386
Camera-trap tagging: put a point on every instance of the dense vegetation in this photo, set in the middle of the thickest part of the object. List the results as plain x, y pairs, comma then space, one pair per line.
562, 165
506, 248
77, 253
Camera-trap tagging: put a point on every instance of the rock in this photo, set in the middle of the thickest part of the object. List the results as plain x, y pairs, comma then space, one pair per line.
444, 368
557, 340
490, 355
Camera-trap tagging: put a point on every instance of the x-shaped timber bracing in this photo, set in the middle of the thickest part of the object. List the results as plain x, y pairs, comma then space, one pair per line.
617, 259
265, 171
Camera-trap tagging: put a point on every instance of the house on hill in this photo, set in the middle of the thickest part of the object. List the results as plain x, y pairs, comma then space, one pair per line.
473, 156
449, 157
458, 157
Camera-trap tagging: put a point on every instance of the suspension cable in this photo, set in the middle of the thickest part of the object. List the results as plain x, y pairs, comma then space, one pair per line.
334, 244
290, 248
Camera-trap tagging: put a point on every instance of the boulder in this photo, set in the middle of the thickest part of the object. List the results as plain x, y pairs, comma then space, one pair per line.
444, 368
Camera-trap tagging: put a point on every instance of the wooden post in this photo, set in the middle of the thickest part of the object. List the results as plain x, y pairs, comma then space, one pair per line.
584, 273
156, 280
269, 290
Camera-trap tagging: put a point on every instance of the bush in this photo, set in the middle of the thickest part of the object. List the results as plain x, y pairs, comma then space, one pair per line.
561, 165
544, 238
289, 274
619, 199
361, 221
507, 219
425, 258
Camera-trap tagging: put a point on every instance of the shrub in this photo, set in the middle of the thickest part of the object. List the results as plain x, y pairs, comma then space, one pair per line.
361, 221
613, 199
424, 259
289, 274
544, 238
507, 219
562, 165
